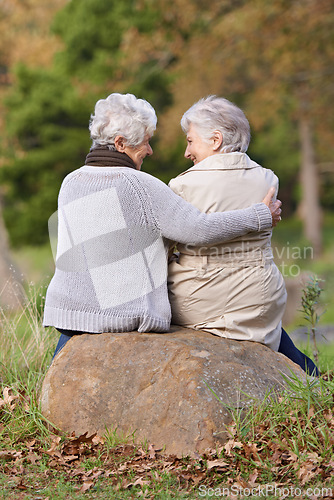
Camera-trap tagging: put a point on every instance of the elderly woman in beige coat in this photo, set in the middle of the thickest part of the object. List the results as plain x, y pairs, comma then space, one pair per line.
233, 289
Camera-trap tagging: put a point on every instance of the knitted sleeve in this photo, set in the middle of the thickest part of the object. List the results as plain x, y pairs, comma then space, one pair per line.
180, 221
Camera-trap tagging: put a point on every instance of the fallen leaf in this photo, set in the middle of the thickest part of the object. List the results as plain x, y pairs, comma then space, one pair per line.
53, 448
311, 412
232, 429
307, 472
30, 444
10, 454
151, 451
86, 486
241, 482
126, 484
69, 449
231, 444
69, 458
96, 474
198, 478
98, 440
21, 486
32, 458
251, 450
78, 472
212, 464
313, 457
123, 467
110, 473
141, 482
253, 477
8, 398
276, 456
83, 439
57, 456
289, 456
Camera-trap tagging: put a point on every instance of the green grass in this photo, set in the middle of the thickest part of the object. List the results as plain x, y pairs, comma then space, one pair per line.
293, 255
34, 262
326, 353
25, 344
287, 441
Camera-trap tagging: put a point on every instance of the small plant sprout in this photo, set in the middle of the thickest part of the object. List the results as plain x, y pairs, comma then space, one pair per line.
310, 303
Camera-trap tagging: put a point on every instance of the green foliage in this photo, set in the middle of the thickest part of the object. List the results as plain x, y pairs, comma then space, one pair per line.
310, 300
286, 439
276, 147
309, 308
295, 419
92, 32
47, 131
42, 106
26, 346
152, 84
327, 191
326, 353
294, 256
113, 437
49, 110
166, 164
159, 50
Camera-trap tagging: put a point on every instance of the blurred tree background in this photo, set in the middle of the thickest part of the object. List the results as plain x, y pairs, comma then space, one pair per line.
274, 58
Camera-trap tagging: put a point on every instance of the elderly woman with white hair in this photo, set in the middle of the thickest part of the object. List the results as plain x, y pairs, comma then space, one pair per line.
232, 289
114, 222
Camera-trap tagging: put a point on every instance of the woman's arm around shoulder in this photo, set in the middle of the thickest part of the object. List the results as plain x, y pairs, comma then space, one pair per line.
180, 221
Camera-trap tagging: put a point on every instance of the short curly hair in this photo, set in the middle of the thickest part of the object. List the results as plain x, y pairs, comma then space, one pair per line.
216, 113
124, 115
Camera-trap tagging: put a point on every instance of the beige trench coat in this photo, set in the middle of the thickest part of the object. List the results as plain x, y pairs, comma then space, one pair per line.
234, 289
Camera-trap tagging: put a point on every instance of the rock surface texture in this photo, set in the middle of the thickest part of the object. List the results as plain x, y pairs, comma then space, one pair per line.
172, 389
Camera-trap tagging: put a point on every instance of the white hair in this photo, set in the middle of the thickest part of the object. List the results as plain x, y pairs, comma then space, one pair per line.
123, 115
216, 113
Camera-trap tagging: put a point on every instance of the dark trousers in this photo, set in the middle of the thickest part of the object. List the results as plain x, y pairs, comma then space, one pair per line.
65, 336
286, 347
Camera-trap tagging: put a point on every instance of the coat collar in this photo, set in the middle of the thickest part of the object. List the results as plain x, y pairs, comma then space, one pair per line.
223, 161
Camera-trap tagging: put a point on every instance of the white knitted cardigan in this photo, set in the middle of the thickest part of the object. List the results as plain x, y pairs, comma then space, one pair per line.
114, 224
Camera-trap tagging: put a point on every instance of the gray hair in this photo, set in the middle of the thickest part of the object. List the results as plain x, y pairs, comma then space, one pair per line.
216, 113
124, 115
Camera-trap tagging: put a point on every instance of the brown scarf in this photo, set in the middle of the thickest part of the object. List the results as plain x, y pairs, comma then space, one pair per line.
101, 156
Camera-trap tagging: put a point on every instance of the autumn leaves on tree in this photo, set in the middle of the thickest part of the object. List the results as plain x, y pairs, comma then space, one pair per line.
274, 59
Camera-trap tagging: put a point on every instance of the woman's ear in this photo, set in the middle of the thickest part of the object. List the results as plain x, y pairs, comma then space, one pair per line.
120, 143
217, 140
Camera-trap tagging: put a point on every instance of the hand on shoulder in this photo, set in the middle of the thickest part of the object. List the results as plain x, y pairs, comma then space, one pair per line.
273, 205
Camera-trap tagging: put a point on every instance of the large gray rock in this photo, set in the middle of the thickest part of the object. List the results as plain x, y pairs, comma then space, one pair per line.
172, 389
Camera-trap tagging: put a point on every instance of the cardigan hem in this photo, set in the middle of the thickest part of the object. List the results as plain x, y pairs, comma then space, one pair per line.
99, 323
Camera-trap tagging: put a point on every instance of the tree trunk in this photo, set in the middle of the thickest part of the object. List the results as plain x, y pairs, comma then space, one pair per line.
11, 294
310, 205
